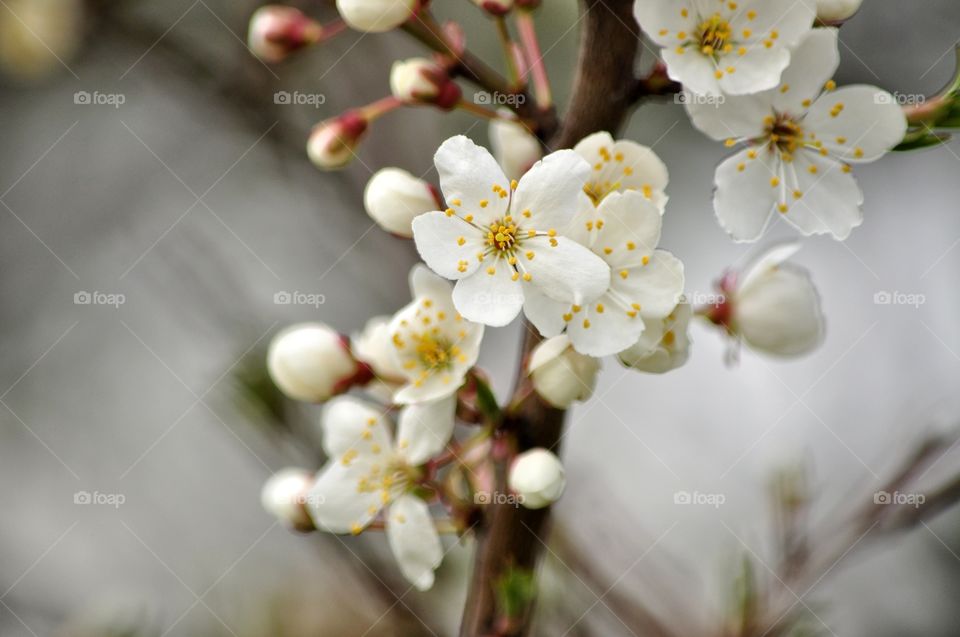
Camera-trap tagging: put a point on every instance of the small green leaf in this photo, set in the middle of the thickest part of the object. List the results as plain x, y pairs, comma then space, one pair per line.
516, 590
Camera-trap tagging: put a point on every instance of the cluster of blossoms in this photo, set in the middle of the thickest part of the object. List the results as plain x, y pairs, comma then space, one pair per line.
570, 239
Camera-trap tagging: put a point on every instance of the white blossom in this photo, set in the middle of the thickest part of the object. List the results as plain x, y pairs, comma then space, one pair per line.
837, 10
499, 239
537, 475
311, 362
370, 471
374, 346
434, 346
801, 138
560, 374
716, 47
664, 344
621, 165
514, 146
393, 198
332, 141
376, 15
284, 495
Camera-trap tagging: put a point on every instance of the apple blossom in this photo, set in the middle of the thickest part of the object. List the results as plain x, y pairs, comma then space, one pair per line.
332, 141
799, 146
645, 283
773, 306
538, 477
560, 374
499, 239
664, 344
514, 146
837, 10
284, 495
312, 362
725, 48
419, 80
370, 471
376, 15
276, 31
622, 165
393, 198
434, 346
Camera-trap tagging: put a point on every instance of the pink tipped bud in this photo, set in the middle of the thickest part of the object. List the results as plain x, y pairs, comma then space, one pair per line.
423, 81
312, 362
332, 141
277, 31
495, 7
285, 494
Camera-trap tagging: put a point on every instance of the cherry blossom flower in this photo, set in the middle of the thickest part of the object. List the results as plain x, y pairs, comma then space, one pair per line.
434, 346
499, 239
799, 146
370, 472
645, 283
560, 374
717, 47
621, 165
664, 344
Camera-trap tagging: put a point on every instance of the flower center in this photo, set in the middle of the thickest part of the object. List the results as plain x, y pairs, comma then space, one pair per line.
597, 190
714, 33
784, 133
435, 353
502, 235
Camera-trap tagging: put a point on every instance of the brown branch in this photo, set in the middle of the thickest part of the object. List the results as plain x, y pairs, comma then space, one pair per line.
512, 537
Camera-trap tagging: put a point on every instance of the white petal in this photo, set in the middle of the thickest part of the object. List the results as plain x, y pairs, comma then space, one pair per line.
769, 260
812, 63
414, 540
547, 351
490, 295
655, 287
830, 198
346, 422
663, 346
597, 333
545, 313
733, 117
780, 314
744, 198
869, 124
424, 284
468, 174
692, 69
335, 502
630, 231
672, 16
567, 271
623, 165
549, 190
425, 428
438, 238
790, 19
758, 69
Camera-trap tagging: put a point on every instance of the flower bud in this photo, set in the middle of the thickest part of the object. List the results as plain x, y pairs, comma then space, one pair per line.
560, 374
284, 495
393, 197
836, 10
495, 7
663, 346
515, 148
332, 141
420, 80
277, 31
311, 362
376, 15
537, 476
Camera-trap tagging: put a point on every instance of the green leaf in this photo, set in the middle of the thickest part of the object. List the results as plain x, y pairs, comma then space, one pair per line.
922, 139
516, 590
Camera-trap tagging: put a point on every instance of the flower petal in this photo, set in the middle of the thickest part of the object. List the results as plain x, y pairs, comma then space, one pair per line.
414, 540
334, 501
352, 424
769, 260
655, 287
812, 64
744, 198
782, 22
830, 198
566, 271
661, 20
732, 117
663, 346
448, 244
603, 327
549, 190
424, 284
424, 429
758, 69
857, 123
630, 229
490, 295
623, 165
692, 69
780, 314
468, 173
545, 313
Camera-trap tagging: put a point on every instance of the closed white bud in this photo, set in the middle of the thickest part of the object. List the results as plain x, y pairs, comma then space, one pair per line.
277, 31
332, 142
424, 81
537, 476
836, 10
560, 374
376, 15
515, 148
284, 495
312, 362
495, 7
393, 197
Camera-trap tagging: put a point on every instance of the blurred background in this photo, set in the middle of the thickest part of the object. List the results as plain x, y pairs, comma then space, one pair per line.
137, 428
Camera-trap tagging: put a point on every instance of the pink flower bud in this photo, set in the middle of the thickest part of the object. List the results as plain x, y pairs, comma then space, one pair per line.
495, 7
420, 80
277, 31
332, 141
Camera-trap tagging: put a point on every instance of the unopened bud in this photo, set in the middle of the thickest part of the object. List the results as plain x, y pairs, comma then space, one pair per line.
277, 31
560, 374
836, 10
284, 495
495, 7
332, 141
423, 81
514, 146
537, 475
312, 362
393, 197
376, 15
